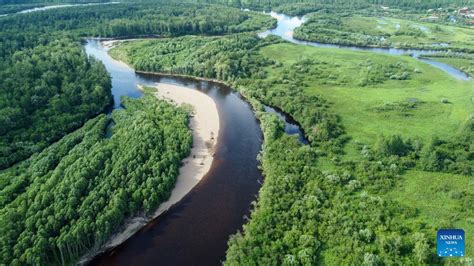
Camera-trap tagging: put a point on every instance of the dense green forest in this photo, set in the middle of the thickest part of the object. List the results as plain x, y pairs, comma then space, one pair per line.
327, 203
405, 4
226, 58
12, 8
47, 91
382, 132
40, 50
128, 20
69, 198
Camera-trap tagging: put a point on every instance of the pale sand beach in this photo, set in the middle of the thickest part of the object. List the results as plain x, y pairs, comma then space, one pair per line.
204, 123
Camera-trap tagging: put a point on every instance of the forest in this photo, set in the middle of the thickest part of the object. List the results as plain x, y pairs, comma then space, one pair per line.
12, 8
47, 91
42, 51
65, 184
402, 4
72, 196
132, 20
390, 137
307, 216
325, 189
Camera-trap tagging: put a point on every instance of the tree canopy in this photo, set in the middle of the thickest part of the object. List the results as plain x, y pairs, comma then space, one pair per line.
72, 196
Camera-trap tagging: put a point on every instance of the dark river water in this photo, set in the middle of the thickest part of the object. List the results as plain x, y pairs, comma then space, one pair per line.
196, 230
286, 26
291, 126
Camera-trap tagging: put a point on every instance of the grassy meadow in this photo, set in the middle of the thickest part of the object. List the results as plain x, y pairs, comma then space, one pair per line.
385, 32
411, 107
437, 197
372, 95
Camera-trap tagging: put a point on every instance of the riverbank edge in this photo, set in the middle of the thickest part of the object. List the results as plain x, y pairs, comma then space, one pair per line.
434, 59
418, 48
134, 224
257, 105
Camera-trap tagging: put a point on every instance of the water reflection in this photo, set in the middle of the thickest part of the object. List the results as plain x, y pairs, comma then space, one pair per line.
291, 126
285, 26
195, 230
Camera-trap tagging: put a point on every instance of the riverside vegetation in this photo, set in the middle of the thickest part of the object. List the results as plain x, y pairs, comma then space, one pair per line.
64, 97
349, 29
70, 197
369, 119
464, 62
65, 185
390, 158
443, 30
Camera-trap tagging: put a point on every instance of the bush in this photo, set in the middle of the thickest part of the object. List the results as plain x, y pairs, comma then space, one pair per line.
393, 145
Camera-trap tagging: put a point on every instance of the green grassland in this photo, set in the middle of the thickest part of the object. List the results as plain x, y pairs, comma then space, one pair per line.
371, 94
443, 199
385, 32
409, 107
399, 31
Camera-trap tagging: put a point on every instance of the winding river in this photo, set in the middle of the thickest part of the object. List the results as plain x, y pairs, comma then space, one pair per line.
286, 26
195, 231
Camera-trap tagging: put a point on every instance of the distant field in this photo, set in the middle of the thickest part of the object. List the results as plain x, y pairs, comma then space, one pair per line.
411, 107
374, 31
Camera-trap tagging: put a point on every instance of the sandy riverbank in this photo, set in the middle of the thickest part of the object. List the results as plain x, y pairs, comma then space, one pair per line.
204, 123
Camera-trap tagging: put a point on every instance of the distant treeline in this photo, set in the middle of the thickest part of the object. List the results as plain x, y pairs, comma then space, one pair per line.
11, 8
409, 4
404, 4
128, 20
